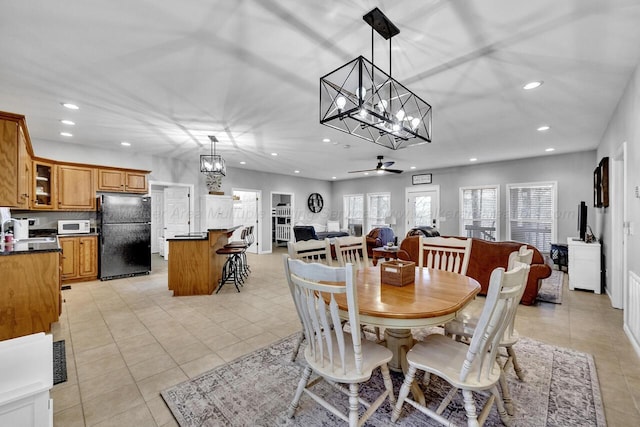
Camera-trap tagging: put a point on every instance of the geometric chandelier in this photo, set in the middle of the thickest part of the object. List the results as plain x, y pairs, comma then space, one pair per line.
212, 164
360, 99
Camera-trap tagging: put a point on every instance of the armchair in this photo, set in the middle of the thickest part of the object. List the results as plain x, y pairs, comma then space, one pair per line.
379, 237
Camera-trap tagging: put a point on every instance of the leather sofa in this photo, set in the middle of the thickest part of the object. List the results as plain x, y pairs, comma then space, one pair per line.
424, 231
485, 257
379, 237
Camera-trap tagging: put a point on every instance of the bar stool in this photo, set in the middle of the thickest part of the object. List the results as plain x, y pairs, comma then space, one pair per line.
242, 244
231, 270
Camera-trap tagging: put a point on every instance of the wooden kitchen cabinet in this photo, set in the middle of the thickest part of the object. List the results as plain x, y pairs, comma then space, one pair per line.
15, 162
76, 187
122, 181
30, 293
79, 258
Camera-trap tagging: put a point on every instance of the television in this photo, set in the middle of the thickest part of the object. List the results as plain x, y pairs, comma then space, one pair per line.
582, 220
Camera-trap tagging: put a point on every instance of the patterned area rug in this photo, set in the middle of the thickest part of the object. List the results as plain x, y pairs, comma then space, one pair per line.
59, 362
551, 288
560, 389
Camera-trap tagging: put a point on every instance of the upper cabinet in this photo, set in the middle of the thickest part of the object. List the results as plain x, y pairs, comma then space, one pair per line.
76, 188
44, 189
15, 162
117, 180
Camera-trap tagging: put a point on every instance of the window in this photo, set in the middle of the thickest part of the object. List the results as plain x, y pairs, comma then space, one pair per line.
353, 211
479, 212
378, 210
531, 216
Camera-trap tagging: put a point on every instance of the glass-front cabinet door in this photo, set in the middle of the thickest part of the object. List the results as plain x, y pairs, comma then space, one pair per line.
43, 192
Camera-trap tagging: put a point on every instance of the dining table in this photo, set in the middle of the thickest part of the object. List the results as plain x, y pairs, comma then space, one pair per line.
434, 298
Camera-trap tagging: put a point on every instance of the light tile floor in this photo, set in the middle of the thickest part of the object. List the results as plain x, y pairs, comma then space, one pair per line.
128, 339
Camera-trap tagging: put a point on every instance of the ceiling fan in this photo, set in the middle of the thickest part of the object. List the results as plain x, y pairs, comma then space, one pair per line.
381, 167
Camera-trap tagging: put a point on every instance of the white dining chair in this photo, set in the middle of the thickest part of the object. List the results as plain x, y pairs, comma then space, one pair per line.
471, 368
464, 326
336, 356
307, 251
352, 249
445, 253
311, 251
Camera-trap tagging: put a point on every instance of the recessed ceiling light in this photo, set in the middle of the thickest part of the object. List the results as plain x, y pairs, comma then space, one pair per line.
243, 163
67, 122
296, 171
473, 159
532, 85
550, 149
366, 173
543, 128
412, 167
125, 144
326, 140
274, 154
333, 177
70, 106
66, 134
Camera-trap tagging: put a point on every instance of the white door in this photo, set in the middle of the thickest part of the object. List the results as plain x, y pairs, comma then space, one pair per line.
176, 213
245, 213
422, 207
157, 221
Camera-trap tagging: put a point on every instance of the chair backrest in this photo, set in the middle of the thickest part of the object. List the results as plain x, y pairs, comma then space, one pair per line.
501, 300
445, 253
249, 238
523, 255
352, 249
321, 322
311, 251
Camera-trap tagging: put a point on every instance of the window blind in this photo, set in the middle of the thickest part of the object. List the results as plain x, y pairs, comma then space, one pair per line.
531, 218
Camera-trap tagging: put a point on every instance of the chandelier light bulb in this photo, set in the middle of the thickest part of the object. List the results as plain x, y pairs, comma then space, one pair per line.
363, 113
396, 127
341, 101
382, 106
400, 115
415, 122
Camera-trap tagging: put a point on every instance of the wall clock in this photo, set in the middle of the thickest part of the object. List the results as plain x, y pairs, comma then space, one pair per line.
315, 202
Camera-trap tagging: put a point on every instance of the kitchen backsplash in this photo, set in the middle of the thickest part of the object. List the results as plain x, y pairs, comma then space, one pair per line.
49, 219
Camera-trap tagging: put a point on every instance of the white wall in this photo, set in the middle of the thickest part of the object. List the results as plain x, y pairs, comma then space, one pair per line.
624, 126
573, 173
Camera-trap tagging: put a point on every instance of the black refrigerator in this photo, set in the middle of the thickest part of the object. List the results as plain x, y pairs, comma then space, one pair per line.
125, 235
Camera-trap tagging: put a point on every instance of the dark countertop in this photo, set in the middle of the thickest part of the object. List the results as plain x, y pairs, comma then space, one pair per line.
226, 230
27, 247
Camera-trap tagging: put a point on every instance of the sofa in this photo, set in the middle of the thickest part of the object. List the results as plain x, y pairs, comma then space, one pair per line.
379, 237
485, 257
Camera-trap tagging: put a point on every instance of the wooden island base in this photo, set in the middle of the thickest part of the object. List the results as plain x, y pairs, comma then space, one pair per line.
194, 266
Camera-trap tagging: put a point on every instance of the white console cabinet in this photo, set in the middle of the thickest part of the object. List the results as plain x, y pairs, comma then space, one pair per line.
584, 265
26, 375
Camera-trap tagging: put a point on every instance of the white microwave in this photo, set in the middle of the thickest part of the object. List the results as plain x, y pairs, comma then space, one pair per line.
74, 226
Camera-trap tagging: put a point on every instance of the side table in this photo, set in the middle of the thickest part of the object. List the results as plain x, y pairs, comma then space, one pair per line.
384, 252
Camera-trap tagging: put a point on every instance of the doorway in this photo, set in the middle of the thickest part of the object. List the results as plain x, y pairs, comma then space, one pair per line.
281, 218
246, 212
423, 205
617, 286
172, 212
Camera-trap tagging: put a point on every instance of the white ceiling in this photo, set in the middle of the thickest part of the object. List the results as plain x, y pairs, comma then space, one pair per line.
164, 74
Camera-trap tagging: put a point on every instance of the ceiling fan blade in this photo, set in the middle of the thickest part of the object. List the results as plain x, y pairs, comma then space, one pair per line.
393, 170
387, 164
364, 170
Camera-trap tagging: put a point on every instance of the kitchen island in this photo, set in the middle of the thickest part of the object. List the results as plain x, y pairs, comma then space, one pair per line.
194, 266
30, 296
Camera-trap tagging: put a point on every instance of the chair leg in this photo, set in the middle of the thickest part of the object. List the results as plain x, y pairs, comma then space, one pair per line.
506, 394
470, 408
504, 417
353, 404
387, 383
404, 392
516, 365
301, 385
